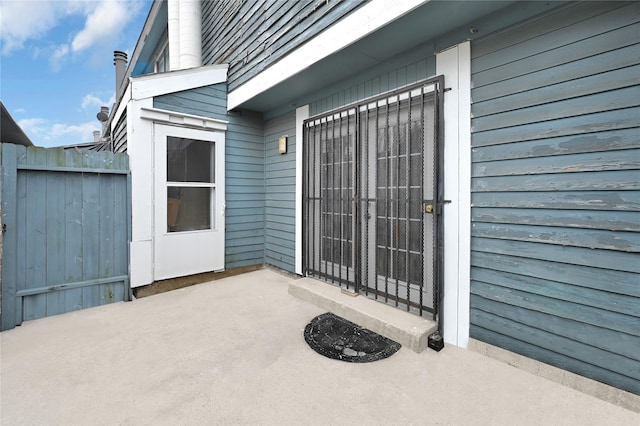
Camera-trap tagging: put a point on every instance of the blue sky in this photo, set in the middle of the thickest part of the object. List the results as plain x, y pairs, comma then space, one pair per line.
56, 62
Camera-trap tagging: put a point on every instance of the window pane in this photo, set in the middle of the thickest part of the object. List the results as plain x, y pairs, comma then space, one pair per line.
189, 160
160, 64
188, 209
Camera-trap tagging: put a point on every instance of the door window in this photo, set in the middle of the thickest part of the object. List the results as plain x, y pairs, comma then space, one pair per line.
190, 184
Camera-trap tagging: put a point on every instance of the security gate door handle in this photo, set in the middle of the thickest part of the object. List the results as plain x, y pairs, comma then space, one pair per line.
431, 208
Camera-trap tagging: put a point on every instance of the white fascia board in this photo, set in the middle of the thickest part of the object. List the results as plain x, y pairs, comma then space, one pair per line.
180, 119
151, 85
121, 106
359, 24
146, 30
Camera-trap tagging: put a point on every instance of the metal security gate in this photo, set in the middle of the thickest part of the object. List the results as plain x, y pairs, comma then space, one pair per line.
372, 197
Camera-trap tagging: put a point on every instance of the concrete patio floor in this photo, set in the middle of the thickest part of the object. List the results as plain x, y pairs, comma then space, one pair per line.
232, 352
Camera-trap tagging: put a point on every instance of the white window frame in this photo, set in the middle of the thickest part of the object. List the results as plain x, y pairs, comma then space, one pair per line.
213, 162
162, 53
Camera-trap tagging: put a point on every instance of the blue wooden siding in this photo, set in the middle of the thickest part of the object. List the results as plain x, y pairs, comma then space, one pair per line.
252, 35
66, 244
280, 188
556, 190
405, 69
245, 171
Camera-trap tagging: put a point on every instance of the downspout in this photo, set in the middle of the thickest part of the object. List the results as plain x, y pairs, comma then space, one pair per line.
173, 25
190, 34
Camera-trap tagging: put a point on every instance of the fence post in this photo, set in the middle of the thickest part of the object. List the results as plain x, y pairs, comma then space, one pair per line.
8, 168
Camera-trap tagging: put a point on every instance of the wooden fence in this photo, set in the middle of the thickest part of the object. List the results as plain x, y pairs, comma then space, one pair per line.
66, 224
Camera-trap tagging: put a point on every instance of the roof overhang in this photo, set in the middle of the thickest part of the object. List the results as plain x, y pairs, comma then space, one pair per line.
10, 132
141, 60
370, 36
356, 26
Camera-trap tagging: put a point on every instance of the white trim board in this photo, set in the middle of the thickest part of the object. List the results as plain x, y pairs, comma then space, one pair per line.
302, 113
455, 64
180, 119
177, 81
362, 22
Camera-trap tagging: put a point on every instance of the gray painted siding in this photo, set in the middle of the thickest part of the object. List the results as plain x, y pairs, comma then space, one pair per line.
412, 65
556, 190
252, 35
383, 78
245, 173
119, 136
280, 172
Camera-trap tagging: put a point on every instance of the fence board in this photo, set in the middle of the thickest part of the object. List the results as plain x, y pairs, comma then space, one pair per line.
35, 238
8, 186
73, 231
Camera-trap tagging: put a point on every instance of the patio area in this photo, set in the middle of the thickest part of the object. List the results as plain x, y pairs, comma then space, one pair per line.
232, 351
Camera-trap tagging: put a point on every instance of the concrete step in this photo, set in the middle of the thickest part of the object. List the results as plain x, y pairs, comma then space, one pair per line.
410, 330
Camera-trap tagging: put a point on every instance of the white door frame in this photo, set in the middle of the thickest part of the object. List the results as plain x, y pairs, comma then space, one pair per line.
455, 64
189, 252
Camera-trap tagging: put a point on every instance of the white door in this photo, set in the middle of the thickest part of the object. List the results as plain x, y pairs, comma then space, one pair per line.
189, 201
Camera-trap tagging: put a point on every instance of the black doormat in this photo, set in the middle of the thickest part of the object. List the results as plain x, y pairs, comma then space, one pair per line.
337, 338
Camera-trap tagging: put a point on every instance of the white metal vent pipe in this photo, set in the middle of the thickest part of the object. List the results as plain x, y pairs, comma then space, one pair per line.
173, 24
190, 34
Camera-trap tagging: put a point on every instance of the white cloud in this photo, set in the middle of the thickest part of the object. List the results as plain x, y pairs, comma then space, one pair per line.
103, 23
58, 56
43, 132
25, 20
77, 132
92, 101
33, 126
22, 20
